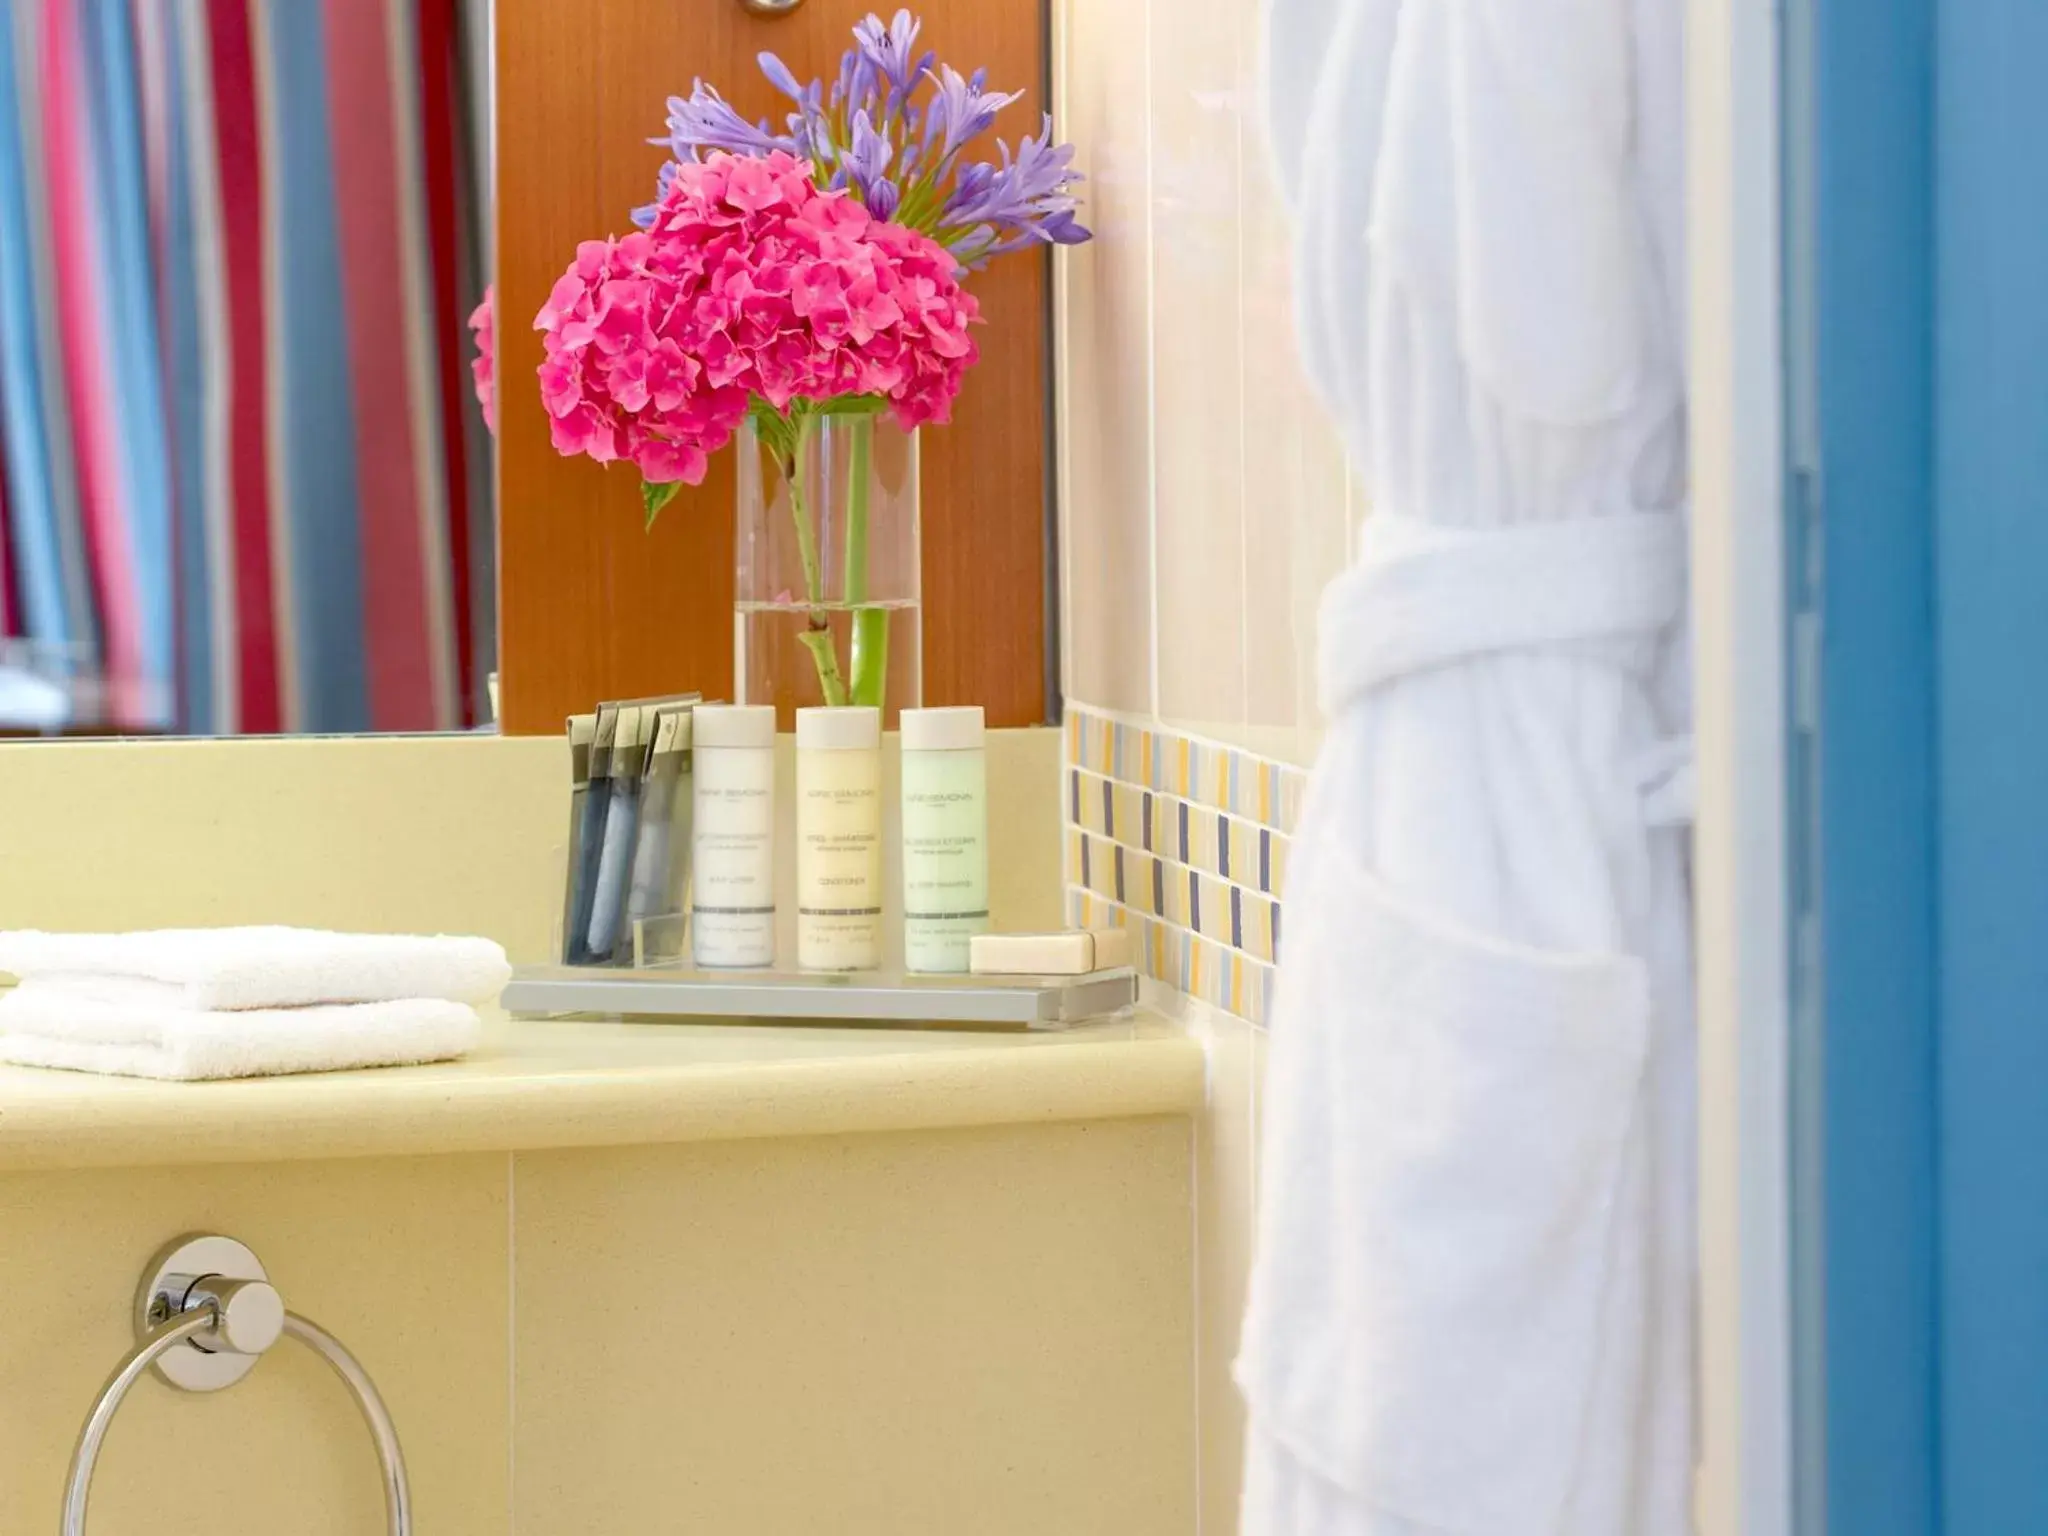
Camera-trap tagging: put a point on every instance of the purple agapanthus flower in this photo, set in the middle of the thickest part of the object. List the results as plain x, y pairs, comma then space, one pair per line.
890, 49
894, 131
858, 84
779, 76
867, 157
1028, 199
808, 128
704, 122
962, 110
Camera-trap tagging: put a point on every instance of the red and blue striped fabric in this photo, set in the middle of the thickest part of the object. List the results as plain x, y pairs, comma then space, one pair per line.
10, 604
242, 472
45, 531
86, 318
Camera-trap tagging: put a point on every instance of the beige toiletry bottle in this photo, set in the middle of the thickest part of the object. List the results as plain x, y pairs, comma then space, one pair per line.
839, 838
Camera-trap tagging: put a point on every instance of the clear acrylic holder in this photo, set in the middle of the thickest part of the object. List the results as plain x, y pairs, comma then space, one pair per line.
663, 986
661, 941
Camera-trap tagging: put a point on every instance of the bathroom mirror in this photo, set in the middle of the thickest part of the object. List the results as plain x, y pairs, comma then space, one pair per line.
245, 484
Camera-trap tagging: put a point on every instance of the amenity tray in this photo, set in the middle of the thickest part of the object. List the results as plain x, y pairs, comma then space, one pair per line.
870, 997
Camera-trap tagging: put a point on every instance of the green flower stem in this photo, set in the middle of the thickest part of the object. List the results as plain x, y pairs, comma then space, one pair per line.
870, 644
871, 656
817, 633
819, 642
860, 460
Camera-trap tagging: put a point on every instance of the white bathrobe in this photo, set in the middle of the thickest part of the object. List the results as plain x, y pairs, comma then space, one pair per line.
1471, 1307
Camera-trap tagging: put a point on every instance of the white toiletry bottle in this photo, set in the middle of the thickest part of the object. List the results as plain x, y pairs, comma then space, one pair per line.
839, 839
732, 917
945, 837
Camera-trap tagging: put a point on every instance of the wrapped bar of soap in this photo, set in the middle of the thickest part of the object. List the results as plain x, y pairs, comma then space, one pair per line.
1078, 952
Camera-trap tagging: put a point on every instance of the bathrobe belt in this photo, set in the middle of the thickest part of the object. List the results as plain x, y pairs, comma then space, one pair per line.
1605, 590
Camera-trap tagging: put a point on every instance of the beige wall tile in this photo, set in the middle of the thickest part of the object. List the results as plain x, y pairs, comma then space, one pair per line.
1105, 363
1273, 431
404, 1260
1198, 291
427, 834
392, 834
1225, 1158
917, 1335
1203, 522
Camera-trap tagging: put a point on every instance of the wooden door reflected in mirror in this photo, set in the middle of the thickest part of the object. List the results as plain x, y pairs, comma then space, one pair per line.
592, 604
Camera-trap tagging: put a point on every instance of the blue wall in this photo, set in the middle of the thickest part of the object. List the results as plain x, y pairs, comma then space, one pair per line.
1918, 223
1991, 627
1860, 118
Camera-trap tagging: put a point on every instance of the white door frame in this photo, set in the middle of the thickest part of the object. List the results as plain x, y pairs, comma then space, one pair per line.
1735, 254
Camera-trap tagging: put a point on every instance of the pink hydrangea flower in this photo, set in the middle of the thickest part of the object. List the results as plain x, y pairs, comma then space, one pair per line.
749, 283
483, 367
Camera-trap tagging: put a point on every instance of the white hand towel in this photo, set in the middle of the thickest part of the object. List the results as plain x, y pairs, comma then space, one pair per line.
231, 968
136, 1028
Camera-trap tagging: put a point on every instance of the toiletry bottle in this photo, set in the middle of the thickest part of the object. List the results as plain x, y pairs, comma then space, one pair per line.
839, 838
732, 915
945, 837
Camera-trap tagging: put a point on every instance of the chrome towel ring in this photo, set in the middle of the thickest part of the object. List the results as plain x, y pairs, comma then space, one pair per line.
205, 1312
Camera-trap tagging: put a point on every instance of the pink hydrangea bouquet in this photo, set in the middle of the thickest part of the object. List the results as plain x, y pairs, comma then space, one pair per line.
784, 274
775, 270
752, 289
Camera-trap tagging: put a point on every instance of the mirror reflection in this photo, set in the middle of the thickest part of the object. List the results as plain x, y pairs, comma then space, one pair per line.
245, 486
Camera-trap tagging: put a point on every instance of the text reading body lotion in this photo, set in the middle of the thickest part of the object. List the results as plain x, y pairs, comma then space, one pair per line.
945, 837
839, 838
732, 922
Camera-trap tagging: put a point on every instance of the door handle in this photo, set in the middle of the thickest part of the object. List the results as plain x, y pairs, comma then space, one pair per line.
769, 7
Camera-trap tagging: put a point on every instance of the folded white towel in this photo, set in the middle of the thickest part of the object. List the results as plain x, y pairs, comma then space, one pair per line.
231, 968
136, 1028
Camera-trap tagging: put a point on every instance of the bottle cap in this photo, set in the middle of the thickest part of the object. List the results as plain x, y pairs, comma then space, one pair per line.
847, 728
735, 725
956, 728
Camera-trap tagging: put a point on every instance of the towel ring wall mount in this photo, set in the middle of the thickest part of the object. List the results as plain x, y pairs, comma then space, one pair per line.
195, 1272
205, 1313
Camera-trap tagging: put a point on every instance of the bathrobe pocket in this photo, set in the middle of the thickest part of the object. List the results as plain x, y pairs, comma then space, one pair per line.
1431, 1340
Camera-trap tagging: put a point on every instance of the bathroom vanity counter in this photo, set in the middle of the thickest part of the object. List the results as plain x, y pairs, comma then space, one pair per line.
549, 1084
735, 1278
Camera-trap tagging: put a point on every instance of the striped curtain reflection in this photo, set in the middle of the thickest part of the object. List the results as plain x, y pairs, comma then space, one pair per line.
243, 484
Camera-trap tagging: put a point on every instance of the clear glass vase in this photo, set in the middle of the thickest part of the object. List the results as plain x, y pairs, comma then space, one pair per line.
826, 596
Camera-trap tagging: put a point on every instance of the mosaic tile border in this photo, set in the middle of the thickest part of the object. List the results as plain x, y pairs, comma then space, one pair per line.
1185, 842
1188, 898
1195, 835
1220, 976
1201, 772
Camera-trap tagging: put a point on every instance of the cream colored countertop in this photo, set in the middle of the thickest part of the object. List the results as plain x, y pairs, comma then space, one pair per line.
556, 1084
